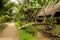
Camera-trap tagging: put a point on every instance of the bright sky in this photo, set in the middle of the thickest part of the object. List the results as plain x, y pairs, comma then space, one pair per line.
15, 1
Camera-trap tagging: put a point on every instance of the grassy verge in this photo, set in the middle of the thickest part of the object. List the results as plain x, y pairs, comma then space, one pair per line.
23, 35
17, 24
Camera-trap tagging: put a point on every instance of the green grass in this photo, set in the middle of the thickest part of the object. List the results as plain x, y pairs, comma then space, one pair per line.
23, 35
17, 24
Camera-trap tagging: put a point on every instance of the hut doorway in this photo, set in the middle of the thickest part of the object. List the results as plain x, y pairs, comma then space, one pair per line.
57, 18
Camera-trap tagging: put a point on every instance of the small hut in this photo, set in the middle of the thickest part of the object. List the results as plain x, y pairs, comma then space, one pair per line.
49, 11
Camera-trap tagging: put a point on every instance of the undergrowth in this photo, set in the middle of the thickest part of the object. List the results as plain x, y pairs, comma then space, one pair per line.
23, 35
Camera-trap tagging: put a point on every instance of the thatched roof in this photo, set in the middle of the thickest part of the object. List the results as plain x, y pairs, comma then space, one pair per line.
49, 10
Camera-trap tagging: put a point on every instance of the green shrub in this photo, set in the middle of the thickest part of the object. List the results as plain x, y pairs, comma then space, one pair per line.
23, 35
31, 29
17, 24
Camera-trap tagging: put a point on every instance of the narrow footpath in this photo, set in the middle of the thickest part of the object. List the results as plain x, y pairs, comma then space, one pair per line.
9, 33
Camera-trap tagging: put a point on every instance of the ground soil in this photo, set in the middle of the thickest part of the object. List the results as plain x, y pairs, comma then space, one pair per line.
40, 36
9, 33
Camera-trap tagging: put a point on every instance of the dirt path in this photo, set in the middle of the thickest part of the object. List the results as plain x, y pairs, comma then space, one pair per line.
10, 33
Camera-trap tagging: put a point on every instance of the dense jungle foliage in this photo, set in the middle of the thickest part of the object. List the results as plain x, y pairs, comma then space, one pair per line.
24, 14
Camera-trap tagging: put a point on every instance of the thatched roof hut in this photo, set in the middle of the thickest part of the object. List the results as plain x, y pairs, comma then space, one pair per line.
49, 10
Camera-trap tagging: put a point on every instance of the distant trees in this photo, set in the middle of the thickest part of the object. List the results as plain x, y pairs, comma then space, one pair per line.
25, 10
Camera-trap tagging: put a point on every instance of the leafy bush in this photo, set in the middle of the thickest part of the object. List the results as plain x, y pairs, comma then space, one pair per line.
17, 24
32, 30
23, 35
